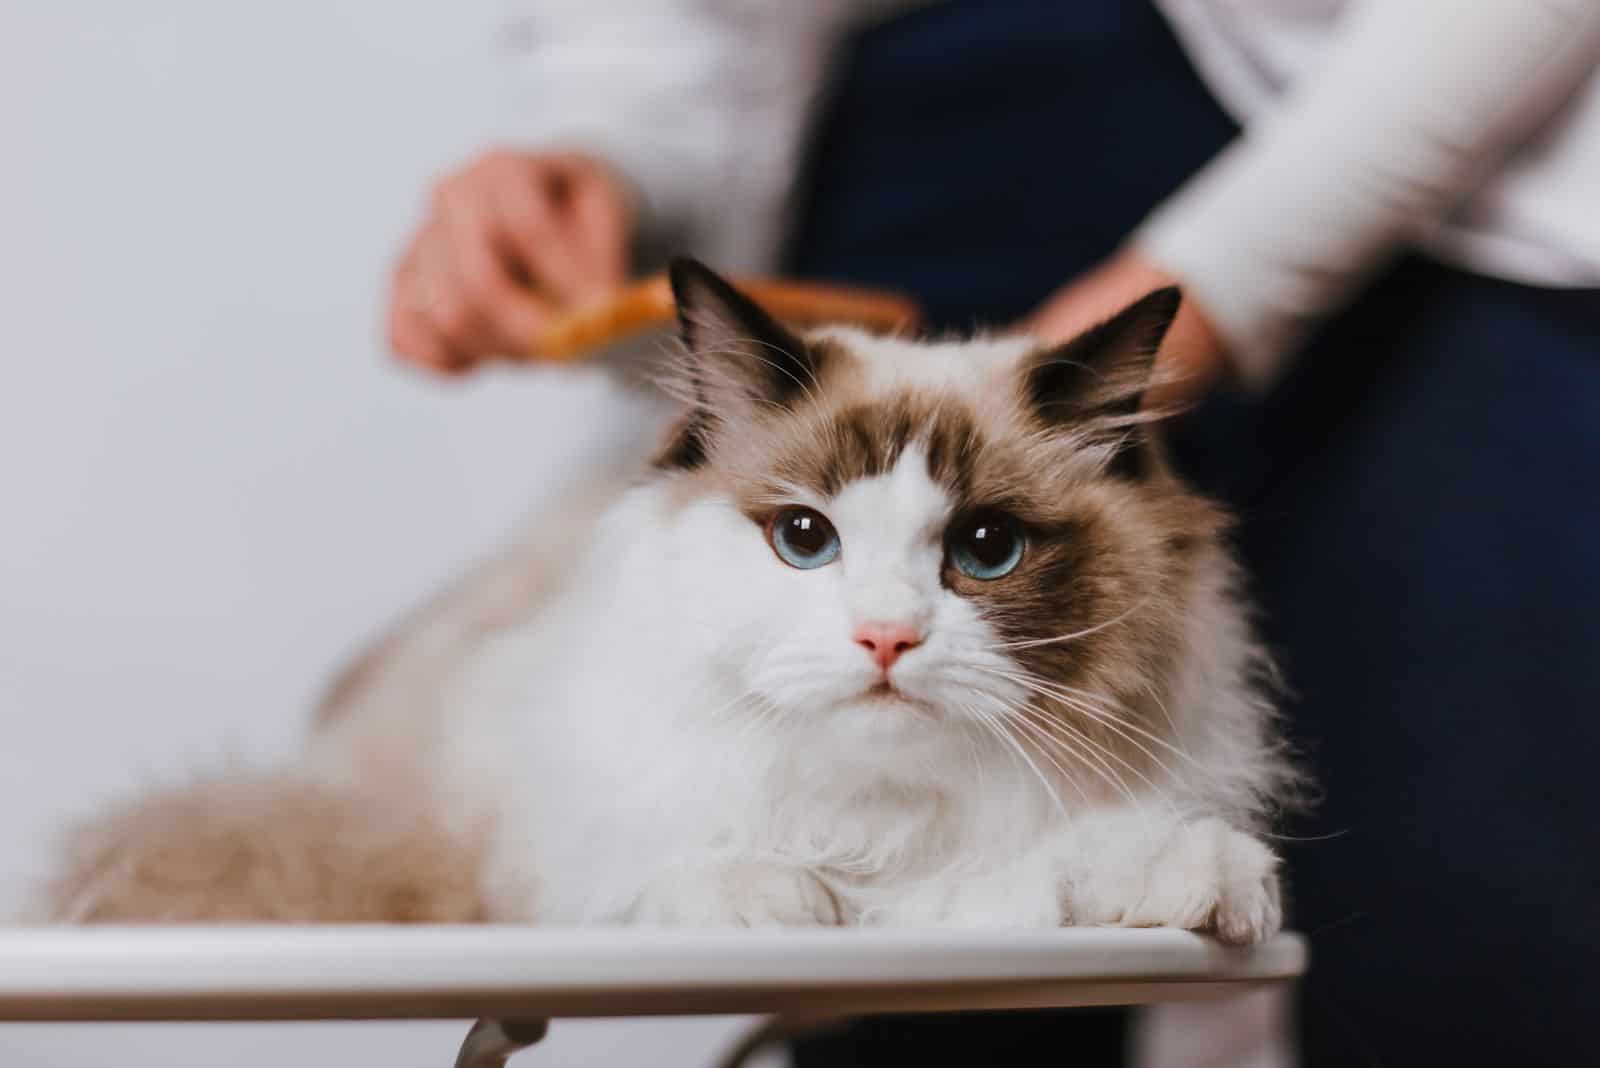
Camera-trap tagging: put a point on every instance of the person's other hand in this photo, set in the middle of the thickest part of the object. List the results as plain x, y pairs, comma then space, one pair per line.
1193, 357
510, 241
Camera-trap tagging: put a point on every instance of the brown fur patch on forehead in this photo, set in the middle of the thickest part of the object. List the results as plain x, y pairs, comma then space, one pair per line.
843, 431
867, 439
984, 451
984, 441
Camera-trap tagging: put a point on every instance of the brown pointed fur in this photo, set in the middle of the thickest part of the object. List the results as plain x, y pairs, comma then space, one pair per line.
265, 848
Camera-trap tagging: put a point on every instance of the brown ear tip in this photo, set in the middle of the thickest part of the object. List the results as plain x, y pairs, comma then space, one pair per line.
683, 270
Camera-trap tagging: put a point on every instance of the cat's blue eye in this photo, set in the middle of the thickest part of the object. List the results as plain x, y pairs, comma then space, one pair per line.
803, 538
986, 544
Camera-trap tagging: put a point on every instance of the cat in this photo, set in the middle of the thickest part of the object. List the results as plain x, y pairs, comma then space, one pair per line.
890, 632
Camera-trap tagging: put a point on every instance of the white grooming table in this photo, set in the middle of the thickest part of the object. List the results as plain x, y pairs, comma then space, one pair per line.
515, 979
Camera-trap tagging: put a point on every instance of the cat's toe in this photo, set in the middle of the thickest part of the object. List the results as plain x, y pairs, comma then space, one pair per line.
1215, 879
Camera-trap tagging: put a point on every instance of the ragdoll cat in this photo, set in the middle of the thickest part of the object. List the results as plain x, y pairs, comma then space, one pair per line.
890, 633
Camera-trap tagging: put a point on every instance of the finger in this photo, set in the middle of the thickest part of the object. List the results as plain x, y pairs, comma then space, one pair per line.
572, 229
509, 316
405, 310
416, 342
441, 297
528, 202
438, 299
600, 226
530, 229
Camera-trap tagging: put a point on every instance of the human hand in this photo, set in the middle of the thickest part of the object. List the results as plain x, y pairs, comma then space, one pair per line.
510, 241
1193, 357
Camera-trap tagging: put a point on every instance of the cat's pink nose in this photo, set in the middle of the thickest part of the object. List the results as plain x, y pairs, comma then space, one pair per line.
887, 641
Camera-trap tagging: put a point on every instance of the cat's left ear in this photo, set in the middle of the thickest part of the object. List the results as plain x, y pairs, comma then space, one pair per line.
1099, 378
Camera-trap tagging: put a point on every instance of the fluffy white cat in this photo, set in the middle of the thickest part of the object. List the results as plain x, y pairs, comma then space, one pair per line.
890, 633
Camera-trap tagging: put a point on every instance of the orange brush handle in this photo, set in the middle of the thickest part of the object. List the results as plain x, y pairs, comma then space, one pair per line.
648, 305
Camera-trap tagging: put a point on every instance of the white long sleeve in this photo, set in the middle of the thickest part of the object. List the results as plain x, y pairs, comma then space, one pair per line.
702, 104
1411, 106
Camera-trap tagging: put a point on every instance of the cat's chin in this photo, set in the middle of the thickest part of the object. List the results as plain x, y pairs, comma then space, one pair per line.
883, 710
885, 698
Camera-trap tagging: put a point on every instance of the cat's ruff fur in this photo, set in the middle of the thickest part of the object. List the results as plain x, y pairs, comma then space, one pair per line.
643, 715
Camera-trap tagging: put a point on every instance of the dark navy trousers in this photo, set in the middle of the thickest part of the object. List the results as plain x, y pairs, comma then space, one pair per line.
1420, 515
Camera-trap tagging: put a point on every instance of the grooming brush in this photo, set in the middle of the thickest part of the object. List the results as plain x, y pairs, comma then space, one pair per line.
647, 307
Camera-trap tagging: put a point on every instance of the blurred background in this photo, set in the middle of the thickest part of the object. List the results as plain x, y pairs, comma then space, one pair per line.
215, 482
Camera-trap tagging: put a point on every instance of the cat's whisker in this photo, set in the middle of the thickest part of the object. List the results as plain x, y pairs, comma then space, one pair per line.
730, 705
977, 761
1059, 724
1101, 716
1089, 703
1095, 750
1088, 695
764, 709
1017, 748
1119, 723
1071, 752
1154, 693
1121, 728
1044, 727
767, 712
999, 731
1004, 723
1034, 643
1033, 733
1139, 802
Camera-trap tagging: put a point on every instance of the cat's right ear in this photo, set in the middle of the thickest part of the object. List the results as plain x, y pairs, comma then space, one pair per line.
738, 361
739, 352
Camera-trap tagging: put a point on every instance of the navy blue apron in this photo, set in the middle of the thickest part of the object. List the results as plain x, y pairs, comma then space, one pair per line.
1420, 505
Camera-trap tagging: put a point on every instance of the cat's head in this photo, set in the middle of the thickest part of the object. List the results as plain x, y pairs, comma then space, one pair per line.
893, 538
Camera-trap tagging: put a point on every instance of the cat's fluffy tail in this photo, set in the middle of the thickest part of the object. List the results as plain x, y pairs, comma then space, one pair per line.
260, 848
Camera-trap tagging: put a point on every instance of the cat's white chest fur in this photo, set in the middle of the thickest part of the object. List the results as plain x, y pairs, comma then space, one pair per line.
613, 745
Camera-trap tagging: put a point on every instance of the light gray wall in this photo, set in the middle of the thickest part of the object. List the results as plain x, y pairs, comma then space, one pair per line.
212, 482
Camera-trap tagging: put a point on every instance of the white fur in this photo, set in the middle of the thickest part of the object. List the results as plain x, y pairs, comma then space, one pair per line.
957, 366
681, 735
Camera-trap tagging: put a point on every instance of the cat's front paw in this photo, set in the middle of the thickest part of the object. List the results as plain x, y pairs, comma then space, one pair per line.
739, 894
1206, 876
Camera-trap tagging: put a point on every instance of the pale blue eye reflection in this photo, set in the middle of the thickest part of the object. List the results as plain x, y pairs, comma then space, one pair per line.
803, 538
986, 545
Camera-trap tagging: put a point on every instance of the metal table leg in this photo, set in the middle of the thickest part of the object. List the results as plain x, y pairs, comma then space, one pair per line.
491, 1043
